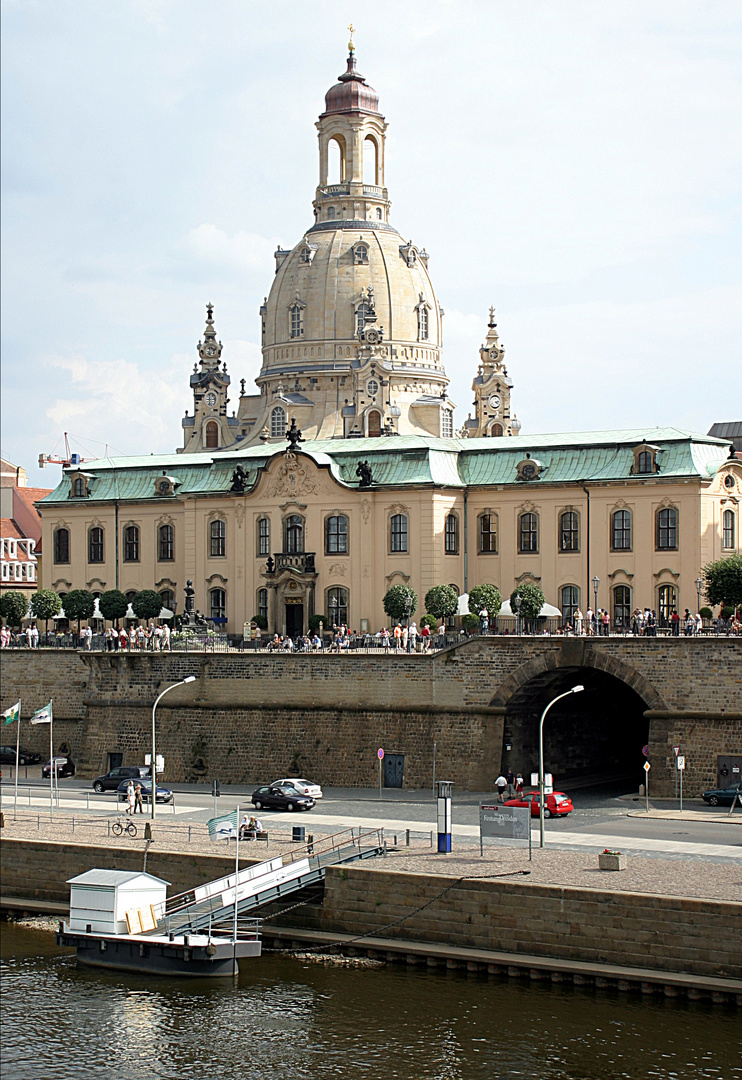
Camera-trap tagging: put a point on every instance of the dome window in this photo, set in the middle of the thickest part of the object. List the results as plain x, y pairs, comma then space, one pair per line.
330, 213
278, 423
307, 251
379, 213
372, 388
423, 319
296, 319
447, 424
360, 254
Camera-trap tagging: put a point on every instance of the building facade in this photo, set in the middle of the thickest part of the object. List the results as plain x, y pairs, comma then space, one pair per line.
379, 489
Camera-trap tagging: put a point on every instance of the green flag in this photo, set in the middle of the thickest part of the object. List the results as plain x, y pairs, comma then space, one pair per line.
223, 827
42, 716
12, 714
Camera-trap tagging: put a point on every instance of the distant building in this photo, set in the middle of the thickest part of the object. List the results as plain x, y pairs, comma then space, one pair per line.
731, 431
20, 530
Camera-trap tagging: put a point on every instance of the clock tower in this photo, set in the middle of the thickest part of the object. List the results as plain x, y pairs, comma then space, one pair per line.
208, 428
492, 415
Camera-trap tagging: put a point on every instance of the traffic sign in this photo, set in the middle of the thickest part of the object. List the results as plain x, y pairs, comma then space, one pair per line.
647, 766
676, 750
645, 750
681, 762
380, 752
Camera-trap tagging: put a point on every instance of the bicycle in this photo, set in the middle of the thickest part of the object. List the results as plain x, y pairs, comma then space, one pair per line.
120, 827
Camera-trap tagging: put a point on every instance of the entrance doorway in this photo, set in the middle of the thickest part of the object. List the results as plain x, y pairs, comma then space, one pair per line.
294, 619
394, 770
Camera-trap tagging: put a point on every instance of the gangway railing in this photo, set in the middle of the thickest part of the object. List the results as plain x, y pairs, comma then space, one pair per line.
259, 884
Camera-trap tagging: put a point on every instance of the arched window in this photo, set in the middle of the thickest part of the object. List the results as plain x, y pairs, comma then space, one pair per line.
497, 431
264, 536
78, 487
263, 604
379, 213
218, 603
373, 424
570, 603
447, 424
621, 530
293, 535
62, 546
95, 544
569, 531
622, 607
667, 530
528, 534
488, 534
167, 596
337, 606
362, 311
335, 162
728, 530
212, 435
296, 321
336, 535
166, 543
330, 213
398, 533
422, 322
451, 535
360, 254
278, 422
218, 537
667, 602
130, 595
370, 161
644, 462
131, 543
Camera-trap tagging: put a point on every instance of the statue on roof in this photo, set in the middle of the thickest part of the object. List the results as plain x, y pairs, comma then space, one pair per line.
365, 473
239, 480
293, 436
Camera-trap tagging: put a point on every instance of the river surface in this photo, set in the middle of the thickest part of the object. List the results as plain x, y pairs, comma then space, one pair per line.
301, 1019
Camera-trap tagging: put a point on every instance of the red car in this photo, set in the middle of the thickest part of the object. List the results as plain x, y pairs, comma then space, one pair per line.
557, 804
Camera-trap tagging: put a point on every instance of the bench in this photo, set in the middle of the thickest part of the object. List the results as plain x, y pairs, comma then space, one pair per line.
265, 835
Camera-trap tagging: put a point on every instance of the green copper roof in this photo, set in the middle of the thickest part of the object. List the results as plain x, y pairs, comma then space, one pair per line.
413, 460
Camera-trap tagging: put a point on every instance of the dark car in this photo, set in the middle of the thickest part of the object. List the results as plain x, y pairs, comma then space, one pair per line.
723, 796
281, 797
557, 803
110, 781
63, 766
25, 757
164, 794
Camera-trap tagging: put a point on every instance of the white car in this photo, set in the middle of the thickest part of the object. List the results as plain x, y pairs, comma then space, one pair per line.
304, 787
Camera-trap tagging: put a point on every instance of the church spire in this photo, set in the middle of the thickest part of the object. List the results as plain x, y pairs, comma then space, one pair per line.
209, 350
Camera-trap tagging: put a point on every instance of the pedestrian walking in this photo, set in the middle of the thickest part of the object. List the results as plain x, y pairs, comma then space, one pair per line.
502, 785
511, 783
138, 804
130, 798
519, 785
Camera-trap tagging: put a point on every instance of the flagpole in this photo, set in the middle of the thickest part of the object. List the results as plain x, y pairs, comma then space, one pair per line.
236, 881
52, 770
17, 755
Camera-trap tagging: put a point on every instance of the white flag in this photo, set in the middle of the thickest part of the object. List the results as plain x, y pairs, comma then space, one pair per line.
42, 716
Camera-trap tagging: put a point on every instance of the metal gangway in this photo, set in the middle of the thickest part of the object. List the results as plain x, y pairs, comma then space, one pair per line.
253, 886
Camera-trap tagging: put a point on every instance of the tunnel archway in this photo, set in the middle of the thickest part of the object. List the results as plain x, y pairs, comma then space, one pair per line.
596, 735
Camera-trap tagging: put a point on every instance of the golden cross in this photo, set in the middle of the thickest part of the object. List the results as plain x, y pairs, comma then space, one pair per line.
351, 46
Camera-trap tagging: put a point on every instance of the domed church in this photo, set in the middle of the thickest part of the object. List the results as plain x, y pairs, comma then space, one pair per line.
344, 474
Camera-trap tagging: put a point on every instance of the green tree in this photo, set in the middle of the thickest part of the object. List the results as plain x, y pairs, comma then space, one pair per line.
441, 601
113, 605
147, 604
723, 581
79, 604
262, 622
429, 620
531, 600
45, 604
13, 607
395, 602
486, 597
470, 622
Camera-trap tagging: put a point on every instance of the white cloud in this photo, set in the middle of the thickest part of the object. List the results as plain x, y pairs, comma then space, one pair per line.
241, 251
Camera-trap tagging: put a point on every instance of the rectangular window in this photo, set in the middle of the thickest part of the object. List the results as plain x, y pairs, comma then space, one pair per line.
95, 545
336, 535
728, 531
398, 533
569, 532
166, 552
218, 598
488, 534
621, 531
263, 604
264, 536
667, 530
528, 534
62, 546
452, 535
218, 538
131, 544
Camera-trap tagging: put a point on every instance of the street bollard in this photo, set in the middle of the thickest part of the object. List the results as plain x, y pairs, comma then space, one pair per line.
189, 834
407, 838
73, 824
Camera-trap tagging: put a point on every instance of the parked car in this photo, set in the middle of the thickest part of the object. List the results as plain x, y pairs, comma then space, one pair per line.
281, 797
723, 796
25, 757
557, 804
304, 787
111, 780
164, 794
63, 766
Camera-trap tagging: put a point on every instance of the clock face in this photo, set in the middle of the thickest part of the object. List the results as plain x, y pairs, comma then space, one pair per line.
210, 399
495, 401
529, 471
210, 351
164, 486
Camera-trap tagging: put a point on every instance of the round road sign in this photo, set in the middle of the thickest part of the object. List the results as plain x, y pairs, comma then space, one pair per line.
645, 750
380, 752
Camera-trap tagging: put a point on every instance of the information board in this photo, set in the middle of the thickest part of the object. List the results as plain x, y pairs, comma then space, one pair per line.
507, 822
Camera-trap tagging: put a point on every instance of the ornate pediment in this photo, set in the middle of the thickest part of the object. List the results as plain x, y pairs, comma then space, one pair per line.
291, 476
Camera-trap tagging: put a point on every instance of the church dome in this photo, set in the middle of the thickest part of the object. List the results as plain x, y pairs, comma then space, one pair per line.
351, 93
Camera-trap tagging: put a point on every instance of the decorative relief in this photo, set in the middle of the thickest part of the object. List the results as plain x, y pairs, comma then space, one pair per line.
666, 570
293, 479
667, 504
239, 514
336, 569
165, 519
526, 508
216, 577
621, 573
398, 508
397, 574
165, 581
621, 504
365, 511
523, 578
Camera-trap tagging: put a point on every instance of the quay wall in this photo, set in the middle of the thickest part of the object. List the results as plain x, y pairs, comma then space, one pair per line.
250, 715
655, 933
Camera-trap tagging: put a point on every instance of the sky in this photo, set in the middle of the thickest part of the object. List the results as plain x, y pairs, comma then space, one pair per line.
576, 165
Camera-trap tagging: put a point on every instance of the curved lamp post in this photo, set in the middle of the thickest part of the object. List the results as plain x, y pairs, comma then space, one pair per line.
596, 586
153, 770
518, 602
699, 583
574, 690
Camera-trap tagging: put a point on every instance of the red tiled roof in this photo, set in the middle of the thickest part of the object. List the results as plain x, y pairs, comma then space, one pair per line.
9, 530
30, 495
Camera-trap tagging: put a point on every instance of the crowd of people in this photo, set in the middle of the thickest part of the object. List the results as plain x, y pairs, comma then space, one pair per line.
400, 638
154, 638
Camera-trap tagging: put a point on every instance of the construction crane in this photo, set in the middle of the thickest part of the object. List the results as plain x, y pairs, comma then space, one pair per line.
56, 459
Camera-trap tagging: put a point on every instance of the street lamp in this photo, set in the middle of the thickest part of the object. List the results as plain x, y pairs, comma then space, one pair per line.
596, 586
408, 606
518, 602
153, 770
334, 609
574, 690
699, 583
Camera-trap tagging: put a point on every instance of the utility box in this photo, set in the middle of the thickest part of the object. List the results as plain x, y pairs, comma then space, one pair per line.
99, 899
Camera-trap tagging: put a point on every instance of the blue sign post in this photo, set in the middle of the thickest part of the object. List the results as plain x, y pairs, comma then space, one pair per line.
443, 799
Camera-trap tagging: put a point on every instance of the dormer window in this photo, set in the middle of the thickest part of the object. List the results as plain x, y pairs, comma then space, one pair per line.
529, 469
645, 460
360, 254
308, 251
408, 253
78, 487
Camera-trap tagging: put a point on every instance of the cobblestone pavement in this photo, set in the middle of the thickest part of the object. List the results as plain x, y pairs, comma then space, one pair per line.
705, 878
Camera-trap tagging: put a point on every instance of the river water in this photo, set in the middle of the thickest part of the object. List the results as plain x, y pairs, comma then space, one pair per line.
303, 1019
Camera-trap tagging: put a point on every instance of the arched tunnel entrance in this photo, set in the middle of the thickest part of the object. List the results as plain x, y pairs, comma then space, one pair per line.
596, 735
